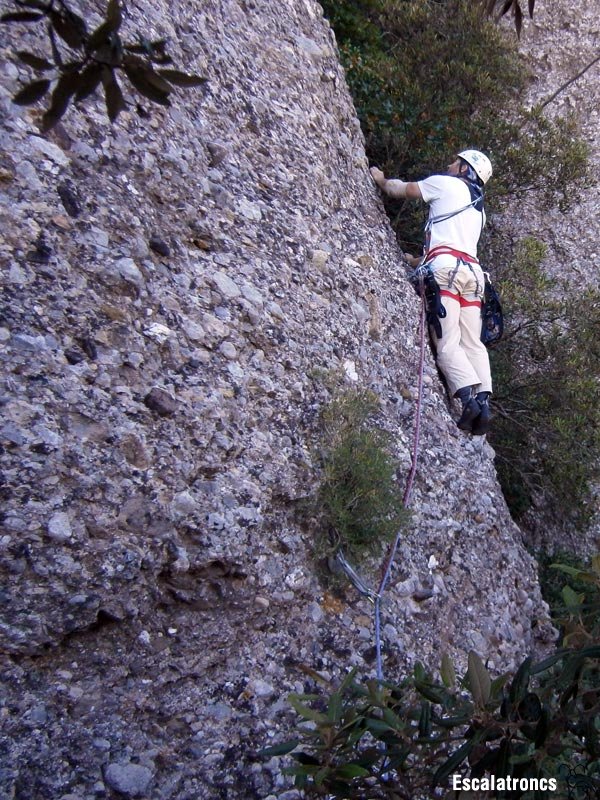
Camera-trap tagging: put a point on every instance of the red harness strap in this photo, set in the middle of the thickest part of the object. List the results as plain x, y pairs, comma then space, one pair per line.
461, 300
443, 250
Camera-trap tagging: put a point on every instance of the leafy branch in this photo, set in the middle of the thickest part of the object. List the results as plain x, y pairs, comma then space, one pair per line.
83, 61
502, 7
386, 740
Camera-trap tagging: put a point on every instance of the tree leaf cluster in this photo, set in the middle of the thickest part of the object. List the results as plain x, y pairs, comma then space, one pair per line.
502, 7
572, 589
381, 739
84, 60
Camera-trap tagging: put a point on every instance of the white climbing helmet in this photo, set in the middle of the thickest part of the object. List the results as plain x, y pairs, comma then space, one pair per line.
480, 163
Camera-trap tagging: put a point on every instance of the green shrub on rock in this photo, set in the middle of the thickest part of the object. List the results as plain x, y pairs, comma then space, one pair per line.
359, 493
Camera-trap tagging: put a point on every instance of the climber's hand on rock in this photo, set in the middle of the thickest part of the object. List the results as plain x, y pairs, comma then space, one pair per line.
377, 175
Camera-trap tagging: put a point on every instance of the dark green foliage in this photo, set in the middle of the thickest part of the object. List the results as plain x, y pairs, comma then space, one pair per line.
83, 61
359, 492
552, 580
572, 590
547, 427
381, 740
425, 87
547, 157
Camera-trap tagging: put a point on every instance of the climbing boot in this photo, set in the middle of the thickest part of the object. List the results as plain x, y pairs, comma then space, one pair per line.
481, 424
471, 408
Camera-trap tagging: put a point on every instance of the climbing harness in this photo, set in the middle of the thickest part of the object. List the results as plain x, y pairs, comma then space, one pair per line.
444, 250
376, 596
424, 274
492, 318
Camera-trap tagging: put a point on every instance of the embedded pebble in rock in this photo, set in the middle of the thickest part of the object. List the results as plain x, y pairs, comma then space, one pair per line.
158, 332
226, 286
129, 780
129, 271
59, 527
160, 401
181, 289
260, 688
159, 246
228, 350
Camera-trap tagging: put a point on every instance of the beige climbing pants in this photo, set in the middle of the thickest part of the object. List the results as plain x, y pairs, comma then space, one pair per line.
461, 355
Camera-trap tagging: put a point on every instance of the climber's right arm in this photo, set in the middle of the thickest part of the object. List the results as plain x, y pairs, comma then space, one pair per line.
396, 188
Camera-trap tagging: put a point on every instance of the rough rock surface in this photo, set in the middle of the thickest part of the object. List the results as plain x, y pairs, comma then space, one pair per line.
173, 289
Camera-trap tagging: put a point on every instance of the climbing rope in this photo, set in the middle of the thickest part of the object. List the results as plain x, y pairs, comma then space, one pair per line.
376, 597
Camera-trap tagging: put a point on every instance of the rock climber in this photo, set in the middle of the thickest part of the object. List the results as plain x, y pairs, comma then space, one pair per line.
456, 219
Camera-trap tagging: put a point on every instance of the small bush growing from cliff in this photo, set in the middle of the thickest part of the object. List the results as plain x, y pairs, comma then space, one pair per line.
359, 492
402, 740
80, 61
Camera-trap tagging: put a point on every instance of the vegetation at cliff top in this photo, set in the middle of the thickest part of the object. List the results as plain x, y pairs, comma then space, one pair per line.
431, 78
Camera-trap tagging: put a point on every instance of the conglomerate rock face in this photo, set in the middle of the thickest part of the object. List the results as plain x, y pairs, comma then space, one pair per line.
559, 42
175, 287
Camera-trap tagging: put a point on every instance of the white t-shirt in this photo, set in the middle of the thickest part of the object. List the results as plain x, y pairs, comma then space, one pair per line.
446, 193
